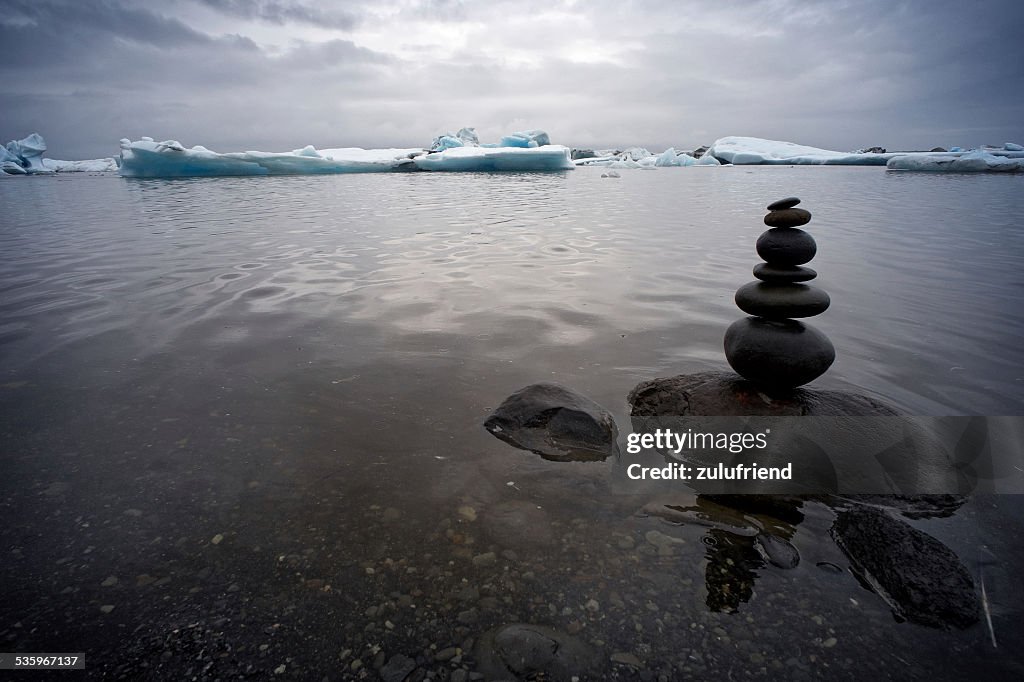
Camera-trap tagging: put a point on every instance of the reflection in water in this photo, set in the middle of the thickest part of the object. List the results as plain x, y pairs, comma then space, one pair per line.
299, 369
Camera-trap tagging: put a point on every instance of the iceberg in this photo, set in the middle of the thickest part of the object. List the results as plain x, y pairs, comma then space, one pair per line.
25, 157
146, 158
550, 157
977, 161
460, 151
758, 151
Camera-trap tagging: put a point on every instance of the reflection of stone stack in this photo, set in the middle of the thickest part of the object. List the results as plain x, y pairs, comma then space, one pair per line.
770, 348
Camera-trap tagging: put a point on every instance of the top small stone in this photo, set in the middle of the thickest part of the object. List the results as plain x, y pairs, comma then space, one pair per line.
788, 202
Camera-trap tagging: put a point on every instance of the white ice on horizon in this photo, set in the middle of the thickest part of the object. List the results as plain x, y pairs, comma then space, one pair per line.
977, 161
758, 151
528, 151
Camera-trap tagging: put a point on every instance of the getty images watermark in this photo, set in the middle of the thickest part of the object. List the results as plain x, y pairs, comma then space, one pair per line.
827, 455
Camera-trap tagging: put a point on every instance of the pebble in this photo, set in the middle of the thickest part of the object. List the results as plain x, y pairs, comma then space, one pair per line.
467, 512
625, 658
783, 273
830, 642
782, 204
106, 608
788, 217
109, 582
778, 301
217, 539
778, 353
786, 246
485, 559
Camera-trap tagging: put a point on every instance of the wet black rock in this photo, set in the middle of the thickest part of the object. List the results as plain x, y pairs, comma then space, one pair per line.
921, 579
786, 246
937, 149
724, 394
522, 651
397, 668
777, 354
777, 551
783, 273
782, 204
788, 217
556, 423
778, 301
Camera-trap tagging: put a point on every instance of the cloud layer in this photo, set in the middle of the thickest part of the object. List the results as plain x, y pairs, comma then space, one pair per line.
280, 74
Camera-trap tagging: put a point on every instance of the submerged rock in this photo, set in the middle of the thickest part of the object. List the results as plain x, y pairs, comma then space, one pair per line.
920, 578
556, 423
522, 651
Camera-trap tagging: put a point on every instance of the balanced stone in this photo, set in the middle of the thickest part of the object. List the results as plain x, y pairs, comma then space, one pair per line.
786, 246
783, 273
778, 354
788, 202
781, 300
788, 217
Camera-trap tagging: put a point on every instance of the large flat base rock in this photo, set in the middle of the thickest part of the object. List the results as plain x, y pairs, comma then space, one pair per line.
724, 394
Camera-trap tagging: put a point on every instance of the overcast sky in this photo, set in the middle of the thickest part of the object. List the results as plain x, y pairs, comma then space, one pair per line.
273, 75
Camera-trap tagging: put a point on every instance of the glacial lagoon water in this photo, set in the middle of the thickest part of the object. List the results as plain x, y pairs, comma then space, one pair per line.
242, 417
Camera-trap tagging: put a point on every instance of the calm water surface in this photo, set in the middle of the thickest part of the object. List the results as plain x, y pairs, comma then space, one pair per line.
256, 403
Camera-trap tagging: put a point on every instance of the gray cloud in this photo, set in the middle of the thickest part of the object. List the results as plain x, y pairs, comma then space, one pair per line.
285, 12
278, 75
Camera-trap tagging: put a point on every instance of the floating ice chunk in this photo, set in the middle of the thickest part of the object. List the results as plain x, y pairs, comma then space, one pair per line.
1013, 147
21, 157
670, 157
707, 160
971, 162
446, 141
527, 138
634, 154
28, 153
956, 149
148, 159
546, 158
754, 150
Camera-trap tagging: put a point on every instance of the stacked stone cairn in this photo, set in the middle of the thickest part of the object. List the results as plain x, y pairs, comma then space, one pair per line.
770, 348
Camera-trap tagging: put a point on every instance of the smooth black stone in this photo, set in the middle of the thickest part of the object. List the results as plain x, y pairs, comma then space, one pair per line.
788, 217
788, 202
781, 300
786, 246
781, 274
777, 354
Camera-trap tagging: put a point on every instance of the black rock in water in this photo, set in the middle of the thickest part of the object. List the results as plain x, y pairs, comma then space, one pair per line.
723, 394
789, 217
556, 423
782, 204
920, 578
779, 301
782, 274
777, 354
521, 651
786, 246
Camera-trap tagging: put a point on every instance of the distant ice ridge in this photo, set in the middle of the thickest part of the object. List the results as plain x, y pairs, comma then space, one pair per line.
461, 151
978, 161
25, 157
757, 151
